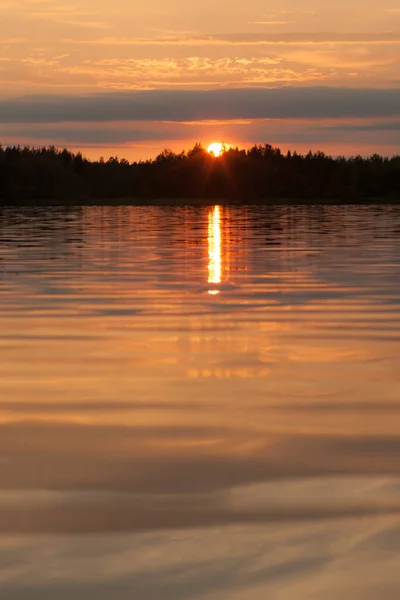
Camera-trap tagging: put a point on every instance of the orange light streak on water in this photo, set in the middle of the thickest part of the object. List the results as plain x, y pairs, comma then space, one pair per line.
214, 248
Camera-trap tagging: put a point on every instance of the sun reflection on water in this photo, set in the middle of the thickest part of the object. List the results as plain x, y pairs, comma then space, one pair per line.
214, 248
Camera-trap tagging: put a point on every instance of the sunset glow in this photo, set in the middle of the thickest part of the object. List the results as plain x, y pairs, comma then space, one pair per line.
215, 148
72, 73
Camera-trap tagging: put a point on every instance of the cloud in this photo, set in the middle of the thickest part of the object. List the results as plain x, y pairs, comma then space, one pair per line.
173, 72
270, 22
246, 39
187, 105
78, 134
379, 126
12, 40
166, 133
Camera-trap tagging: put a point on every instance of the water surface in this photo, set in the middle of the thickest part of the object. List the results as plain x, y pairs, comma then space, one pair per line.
200, 402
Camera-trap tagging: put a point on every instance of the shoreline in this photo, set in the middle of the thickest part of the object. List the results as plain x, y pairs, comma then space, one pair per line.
198, 202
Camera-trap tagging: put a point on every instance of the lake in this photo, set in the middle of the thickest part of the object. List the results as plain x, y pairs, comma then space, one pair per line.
200, 402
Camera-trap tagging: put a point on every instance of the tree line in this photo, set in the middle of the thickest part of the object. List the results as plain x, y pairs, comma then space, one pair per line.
261, 172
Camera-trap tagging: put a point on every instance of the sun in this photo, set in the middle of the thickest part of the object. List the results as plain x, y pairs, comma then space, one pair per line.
216, 148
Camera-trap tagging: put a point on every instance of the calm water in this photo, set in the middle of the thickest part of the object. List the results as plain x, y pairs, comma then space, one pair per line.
200, 403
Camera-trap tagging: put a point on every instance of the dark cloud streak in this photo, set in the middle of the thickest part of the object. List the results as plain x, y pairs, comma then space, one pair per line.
385, 126
192, 105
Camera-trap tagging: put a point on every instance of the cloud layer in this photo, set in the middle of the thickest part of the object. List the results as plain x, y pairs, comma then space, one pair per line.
195, 105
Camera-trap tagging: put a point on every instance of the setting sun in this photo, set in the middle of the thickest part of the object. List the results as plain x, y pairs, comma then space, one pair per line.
215, 148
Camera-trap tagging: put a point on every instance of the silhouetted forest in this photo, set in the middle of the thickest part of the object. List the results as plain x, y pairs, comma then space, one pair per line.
261, 172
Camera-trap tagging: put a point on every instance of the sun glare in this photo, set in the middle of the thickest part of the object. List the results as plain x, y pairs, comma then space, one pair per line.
215, 148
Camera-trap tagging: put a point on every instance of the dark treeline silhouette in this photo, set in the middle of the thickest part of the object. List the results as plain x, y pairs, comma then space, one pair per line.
261, 172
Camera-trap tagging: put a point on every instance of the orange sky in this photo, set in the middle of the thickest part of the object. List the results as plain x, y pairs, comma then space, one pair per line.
72, 49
